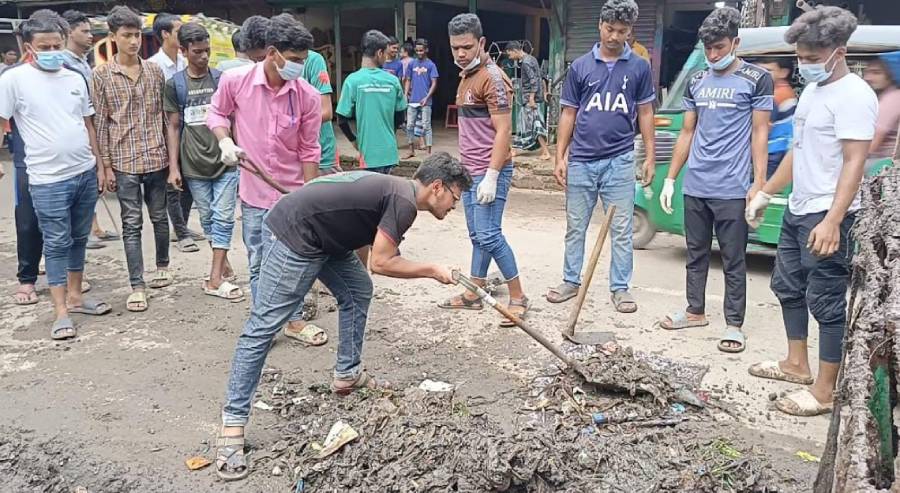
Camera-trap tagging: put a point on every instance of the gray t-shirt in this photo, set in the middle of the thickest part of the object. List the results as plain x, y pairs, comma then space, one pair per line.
719, 164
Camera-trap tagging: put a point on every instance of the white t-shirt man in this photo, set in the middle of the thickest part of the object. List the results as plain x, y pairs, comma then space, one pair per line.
169, 67
49, 108
845, 109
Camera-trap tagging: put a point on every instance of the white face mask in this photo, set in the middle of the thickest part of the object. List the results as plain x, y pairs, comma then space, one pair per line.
474, 63
816, 72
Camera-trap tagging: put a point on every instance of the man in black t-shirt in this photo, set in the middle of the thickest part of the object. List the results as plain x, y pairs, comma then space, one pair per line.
313, 233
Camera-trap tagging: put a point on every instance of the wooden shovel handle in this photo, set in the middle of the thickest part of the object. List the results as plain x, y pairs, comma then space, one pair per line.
589, 274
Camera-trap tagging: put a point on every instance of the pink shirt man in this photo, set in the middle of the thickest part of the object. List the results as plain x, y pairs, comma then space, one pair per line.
277, 130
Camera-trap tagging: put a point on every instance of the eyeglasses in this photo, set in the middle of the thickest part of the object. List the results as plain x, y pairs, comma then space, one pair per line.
455, 197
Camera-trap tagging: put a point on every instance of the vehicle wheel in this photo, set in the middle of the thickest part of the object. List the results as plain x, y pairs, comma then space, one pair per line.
643, 230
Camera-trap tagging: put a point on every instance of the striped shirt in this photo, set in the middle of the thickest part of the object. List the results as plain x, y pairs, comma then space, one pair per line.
129, 118
482, 92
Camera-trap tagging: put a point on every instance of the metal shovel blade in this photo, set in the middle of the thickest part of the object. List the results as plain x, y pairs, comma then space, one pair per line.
591, 337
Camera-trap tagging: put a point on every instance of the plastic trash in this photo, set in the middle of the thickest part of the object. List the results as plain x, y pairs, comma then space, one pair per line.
198, 462
436, 386
262, 405
341, 434
807, 457
678, 408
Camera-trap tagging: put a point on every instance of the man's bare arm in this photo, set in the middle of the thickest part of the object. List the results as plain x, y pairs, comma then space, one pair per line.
386, 260
683, 144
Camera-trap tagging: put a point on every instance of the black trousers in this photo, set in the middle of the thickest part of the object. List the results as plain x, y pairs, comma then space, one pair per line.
703, 217
29, 240
178, 204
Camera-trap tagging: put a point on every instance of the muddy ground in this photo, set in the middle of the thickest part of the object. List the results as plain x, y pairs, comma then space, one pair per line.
122, 407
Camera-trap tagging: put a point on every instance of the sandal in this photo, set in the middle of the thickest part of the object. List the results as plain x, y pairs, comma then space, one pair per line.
91, 307
85, 286
309, 335
733, 334
772, 370
231, 463
564, 292
94, 243
226, 291
63, 329
680, 320
136, 302
24, 295
802, 403
518, 308
363, 381
107, 236
624, 302
161, 279
187, 245
460, 302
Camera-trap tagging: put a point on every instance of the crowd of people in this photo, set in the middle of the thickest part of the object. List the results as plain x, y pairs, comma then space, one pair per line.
170, 132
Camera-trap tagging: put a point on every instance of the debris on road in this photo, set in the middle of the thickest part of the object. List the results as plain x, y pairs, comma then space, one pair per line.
435, 386
198, 462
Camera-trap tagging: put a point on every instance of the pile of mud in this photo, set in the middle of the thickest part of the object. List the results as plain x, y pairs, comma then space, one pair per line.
569, 436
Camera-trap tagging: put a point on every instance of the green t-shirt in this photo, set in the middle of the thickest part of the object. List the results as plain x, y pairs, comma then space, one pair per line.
199, 150
316, 73
371, 96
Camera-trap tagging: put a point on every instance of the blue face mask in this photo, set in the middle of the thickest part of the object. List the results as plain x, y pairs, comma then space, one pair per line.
49, 60
816, 72
291, 70
723, 62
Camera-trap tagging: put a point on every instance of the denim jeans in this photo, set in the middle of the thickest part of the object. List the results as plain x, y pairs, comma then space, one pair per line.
178, 205
612, 181
805, 283
29, 241
484, 222
418, 123
252, 224
64, 211
149, 188
215, 201
285, 278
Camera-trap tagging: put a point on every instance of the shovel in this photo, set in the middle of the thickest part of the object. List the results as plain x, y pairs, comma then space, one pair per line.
537, 336
590, 337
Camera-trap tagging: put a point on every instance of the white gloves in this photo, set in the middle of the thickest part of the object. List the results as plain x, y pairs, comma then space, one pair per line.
231, 153
754, 211
665, 197
487, 189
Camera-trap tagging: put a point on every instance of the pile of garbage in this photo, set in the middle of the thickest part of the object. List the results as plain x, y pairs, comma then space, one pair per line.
570, 435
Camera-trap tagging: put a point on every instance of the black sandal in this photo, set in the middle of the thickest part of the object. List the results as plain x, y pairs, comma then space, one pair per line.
464, 303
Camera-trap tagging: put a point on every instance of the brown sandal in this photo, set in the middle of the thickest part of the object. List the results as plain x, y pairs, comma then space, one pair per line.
518, 308
231, 464
363, 381
460, 302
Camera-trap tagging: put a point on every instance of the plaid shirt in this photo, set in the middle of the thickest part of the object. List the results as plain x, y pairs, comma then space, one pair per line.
129, 119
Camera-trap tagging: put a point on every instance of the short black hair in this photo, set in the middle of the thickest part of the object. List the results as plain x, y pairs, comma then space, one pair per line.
444, 167
11, 50
75, 17
624, 11
822, 27
164, 22
720, 24
513, 46
408, 48
253, 33
43, 21
423, 43
288, 34
121, 16
192, 32
465, 24
372, 41
784, 62
392, 40
236, 41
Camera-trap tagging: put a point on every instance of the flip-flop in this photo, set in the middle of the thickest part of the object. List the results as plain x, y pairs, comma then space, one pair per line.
679, 320
187, 245
91, 307
231, 463
226, 291
94, 243
623, 302
63, 329
733, 334
309, 335
802, 403
460, 302
197, 236
32, 296
771, 370
363, 381
161, 279
524, 304
136, 302
564, 292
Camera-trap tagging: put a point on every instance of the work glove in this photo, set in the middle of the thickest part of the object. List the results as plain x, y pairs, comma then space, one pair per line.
754, 211
665, 197
487, 189
231, 153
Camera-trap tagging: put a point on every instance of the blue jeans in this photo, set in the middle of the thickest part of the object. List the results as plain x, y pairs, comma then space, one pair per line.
612, 181
418, 123
253, 219
285, 277
484, 222
215, 201
64, 210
